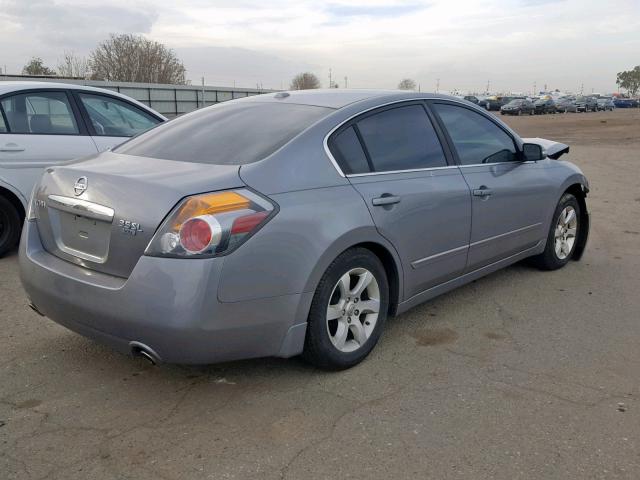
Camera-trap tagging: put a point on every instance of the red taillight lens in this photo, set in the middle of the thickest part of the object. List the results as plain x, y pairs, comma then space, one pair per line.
195, 235
248, 222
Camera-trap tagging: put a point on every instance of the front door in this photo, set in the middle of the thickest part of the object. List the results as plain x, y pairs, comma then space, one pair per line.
417, 201
507, 193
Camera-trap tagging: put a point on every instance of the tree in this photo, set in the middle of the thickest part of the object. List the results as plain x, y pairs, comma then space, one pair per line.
134, 58
629, 80
36, 67
407, 84
73, 66
305, 81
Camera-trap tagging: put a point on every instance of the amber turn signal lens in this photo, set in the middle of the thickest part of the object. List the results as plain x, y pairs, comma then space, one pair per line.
210, 204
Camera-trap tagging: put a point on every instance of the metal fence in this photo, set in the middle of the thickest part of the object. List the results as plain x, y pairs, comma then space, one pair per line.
169, 100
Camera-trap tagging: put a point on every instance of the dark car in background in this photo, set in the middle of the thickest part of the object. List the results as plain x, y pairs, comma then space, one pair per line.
586, 104
471, 98
493, 103
518, 106
544, 105
625, 103
605, 104
566, 104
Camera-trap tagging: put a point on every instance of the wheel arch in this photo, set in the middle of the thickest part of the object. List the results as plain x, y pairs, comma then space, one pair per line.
13, 199
580, 191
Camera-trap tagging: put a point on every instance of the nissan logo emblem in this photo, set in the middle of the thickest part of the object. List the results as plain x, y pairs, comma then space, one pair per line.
80, 186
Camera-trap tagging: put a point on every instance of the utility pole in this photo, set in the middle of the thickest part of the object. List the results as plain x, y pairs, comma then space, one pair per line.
437, 85
488, 86
535, 87
330, 79
203, 100
346, 80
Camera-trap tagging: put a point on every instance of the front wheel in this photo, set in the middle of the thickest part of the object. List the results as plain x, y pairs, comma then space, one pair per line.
563, 235
348, 311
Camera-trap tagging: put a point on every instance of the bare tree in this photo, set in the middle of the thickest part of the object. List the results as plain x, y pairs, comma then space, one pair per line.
305, 81
133, 58
407, 84
73, 66
36, 66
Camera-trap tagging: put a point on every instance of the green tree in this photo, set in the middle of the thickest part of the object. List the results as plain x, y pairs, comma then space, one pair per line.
36, 66
629, 80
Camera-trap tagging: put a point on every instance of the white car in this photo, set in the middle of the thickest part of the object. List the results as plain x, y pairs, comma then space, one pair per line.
44, 124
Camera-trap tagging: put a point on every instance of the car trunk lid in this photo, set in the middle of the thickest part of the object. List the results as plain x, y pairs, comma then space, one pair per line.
101, 213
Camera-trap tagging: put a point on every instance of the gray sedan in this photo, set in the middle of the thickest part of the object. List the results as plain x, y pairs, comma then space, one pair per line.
293, 223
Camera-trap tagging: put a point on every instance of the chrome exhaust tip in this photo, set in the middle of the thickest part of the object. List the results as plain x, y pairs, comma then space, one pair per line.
139, 349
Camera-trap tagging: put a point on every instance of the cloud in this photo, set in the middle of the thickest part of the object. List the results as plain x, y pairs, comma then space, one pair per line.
387, 11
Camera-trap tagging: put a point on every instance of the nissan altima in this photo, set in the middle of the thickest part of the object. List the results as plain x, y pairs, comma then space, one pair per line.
293, 223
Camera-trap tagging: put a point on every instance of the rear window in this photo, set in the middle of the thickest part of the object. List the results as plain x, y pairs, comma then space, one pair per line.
226, 134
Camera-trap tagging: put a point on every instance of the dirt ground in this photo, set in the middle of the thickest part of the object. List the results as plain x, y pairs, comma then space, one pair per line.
522, 374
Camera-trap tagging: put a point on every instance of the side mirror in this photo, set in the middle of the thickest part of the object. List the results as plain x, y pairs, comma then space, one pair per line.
532, 152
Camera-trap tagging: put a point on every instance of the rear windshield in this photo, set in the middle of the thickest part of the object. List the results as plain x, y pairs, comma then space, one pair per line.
225, 134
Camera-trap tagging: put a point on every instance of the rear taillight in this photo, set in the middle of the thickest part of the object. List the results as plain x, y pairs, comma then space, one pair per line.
210, 224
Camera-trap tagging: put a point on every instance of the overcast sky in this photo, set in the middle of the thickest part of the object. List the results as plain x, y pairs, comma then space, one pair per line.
465, 44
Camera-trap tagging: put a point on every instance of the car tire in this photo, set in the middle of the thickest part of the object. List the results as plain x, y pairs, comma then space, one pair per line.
344, 341
563, 235
10, 226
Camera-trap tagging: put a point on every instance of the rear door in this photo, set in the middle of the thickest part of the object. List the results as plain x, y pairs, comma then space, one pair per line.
394, 158
509, 196
40, 128
111, 120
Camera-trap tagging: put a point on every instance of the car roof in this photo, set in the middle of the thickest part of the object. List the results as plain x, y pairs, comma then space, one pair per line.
338, 98
16, 86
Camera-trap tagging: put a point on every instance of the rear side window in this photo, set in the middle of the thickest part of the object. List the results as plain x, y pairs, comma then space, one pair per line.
226, 134
114, 118
401, 138
3, 125
348, 151
476, 138
45, 113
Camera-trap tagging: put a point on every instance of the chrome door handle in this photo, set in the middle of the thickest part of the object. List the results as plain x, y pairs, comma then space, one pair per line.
385, 199
482, 192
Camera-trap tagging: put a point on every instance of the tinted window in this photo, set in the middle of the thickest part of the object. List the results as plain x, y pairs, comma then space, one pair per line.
3, 125
115, 118
347, 150
227, 134
40, 112
476, 138
401, 139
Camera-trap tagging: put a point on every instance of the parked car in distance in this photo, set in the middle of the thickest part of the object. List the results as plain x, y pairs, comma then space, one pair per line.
518, 106
586, 103
293, 223
566, 104
545, 105
471, 98
625, 103
606, 104
45, 124
493, 103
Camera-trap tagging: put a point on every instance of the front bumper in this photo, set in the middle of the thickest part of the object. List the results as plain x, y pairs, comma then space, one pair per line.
169, 305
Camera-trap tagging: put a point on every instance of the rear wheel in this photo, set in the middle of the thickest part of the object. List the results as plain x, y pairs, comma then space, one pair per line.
10, 223
348, 311
563, 235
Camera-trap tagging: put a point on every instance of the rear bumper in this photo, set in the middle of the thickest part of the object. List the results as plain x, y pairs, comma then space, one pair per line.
169, 305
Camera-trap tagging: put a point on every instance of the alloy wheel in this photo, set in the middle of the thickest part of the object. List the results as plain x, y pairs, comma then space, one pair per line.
565, 232
353, 310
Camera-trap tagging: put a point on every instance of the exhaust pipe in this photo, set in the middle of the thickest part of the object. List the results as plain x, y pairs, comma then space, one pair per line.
139, 349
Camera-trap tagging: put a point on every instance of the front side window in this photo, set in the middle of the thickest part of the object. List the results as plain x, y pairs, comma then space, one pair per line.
114, 118
476, 138
401, 138
45, 113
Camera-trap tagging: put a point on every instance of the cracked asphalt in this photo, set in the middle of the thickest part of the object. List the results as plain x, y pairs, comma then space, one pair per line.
522, 374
